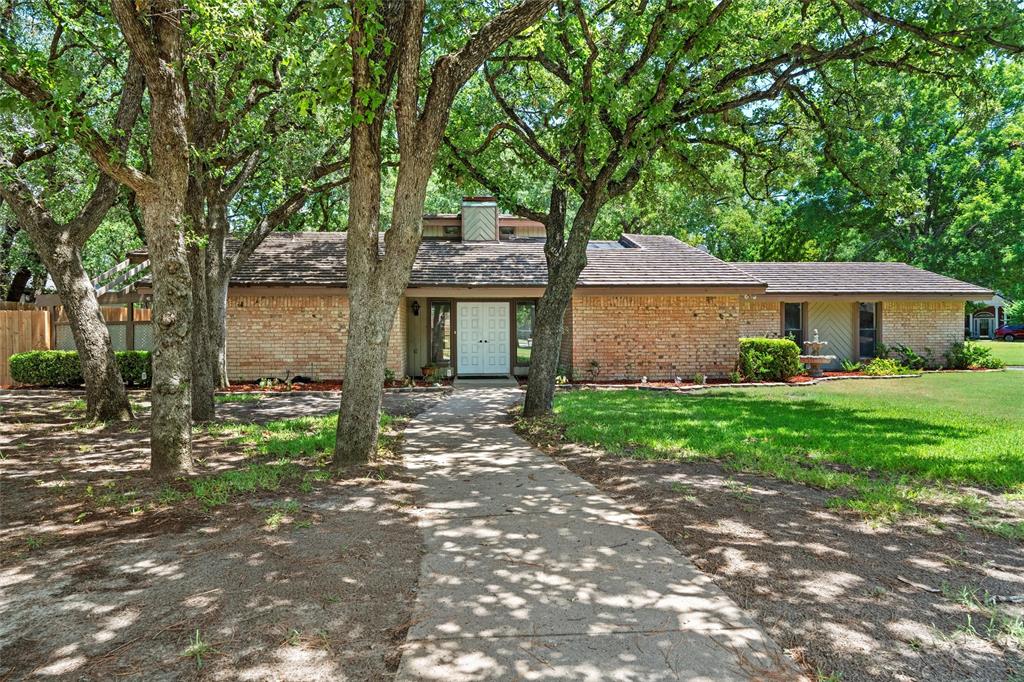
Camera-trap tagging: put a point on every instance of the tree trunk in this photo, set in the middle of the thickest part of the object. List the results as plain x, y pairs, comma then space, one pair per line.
566, 259
203, 353
547, 345
218, 304
171, 440
105, 396
365, 359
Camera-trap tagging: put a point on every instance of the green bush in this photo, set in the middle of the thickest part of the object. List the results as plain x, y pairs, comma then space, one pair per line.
769, 359
46, 368
908, 357
880, 367
62, 367
967, 355
136, 366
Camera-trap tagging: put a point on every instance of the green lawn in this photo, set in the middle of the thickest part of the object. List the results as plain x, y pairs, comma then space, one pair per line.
1010, 352
895, 438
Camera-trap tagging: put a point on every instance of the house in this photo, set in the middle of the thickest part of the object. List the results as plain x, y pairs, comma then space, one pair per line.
986, 317
645, 305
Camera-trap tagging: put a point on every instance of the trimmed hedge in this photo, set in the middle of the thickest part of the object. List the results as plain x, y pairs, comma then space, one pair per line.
62, 367
764, 359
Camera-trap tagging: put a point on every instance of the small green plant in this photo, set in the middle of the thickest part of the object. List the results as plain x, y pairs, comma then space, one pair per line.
280, 512
594, 370
389, 374
908, 357
700, 379
884, 367
236, 398
967, 355
197, 648
735, 377
267, 383
33, 542
852, 366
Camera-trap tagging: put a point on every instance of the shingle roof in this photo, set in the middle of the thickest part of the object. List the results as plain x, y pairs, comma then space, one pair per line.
318, 259
856, 278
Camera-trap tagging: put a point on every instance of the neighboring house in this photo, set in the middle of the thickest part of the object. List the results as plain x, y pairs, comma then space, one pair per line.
644, 306
983, 322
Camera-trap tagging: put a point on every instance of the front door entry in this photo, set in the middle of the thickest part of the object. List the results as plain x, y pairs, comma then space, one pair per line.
984, 327
482, 333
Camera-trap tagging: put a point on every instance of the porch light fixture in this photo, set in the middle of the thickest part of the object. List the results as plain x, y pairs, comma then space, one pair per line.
416, 308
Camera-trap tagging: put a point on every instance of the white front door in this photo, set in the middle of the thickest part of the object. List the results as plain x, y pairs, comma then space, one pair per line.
482, 333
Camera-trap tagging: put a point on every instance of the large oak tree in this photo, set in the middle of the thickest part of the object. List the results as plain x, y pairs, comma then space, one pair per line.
387, 53
588, 104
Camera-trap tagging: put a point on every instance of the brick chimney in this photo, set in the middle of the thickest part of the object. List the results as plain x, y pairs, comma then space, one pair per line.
479, 219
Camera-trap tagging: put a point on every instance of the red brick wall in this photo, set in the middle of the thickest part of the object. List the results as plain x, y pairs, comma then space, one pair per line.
922, 324
659, 337
282, 335
759, 317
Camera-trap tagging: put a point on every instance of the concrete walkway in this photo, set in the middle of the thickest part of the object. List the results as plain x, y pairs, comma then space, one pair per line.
531, 573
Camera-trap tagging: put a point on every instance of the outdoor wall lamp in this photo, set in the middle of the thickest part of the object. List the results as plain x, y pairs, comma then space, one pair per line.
416, 308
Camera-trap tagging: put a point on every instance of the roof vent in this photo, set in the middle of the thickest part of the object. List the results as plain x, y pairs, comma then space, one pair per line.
479, 219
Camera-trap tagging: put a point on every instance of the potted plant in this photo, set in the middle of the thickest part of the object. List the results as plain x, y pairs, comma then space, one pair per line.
428, 370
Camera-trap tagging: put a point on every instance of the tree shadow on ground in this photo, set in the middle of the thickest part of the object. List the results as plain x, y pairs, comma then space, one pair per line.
827, 586
280, 585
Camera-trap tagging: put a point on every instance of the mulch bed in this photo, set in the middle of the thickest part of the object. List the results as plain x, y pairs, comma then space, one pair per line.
328, 386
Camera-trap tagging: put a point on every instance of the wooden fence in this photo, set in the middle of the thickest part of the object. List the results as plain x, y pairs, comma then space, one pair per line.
21, 330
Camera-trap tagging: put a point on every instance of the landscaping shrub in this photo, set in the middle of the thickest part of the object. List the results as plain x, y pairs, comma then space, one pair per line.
769, 359
884, 367
46, 368
908, 357
62, 367
136, 366
967, 355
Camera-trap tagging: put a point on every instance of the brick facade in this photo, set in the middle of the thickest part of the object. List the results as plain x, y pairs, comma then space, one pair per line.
660, 337
296, 335
629, 336
759, 317
921, 324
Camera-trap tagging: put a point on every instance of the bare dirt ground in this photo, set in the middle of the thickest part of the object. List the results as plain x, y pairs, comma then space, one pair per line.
100, 580
847, 599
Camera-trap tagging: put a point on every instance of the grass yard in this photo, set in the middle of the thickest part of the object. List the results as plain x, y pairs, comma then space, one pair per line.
1010, 352
888, 441
867, 525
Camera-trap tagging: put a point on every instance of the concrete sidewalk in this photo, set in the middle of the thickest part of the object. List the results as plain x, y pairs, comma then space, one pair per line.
531, 573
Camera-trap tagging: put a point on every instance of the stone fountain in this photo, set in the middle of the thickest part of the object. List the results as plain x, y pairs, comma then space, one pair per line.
814, 359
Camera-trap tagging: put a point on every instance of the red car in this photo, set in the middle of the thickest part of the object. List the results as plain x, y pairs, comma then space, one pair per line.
1011, 332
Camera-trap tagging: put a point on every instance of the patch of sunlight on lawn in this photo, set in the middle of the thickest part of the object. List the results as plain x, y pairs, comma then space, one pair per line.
957, 428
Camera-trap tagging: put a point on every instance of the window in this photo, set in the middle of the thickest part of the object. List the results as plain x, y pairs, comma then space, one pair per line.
793, 323
526, 314
868, 330
452, 230
440, 332
507, 231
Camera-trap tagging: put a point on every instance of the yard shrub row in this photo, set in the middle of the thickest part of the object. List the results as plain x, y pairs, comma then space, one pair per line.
62, 367
967, 355
764, 359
